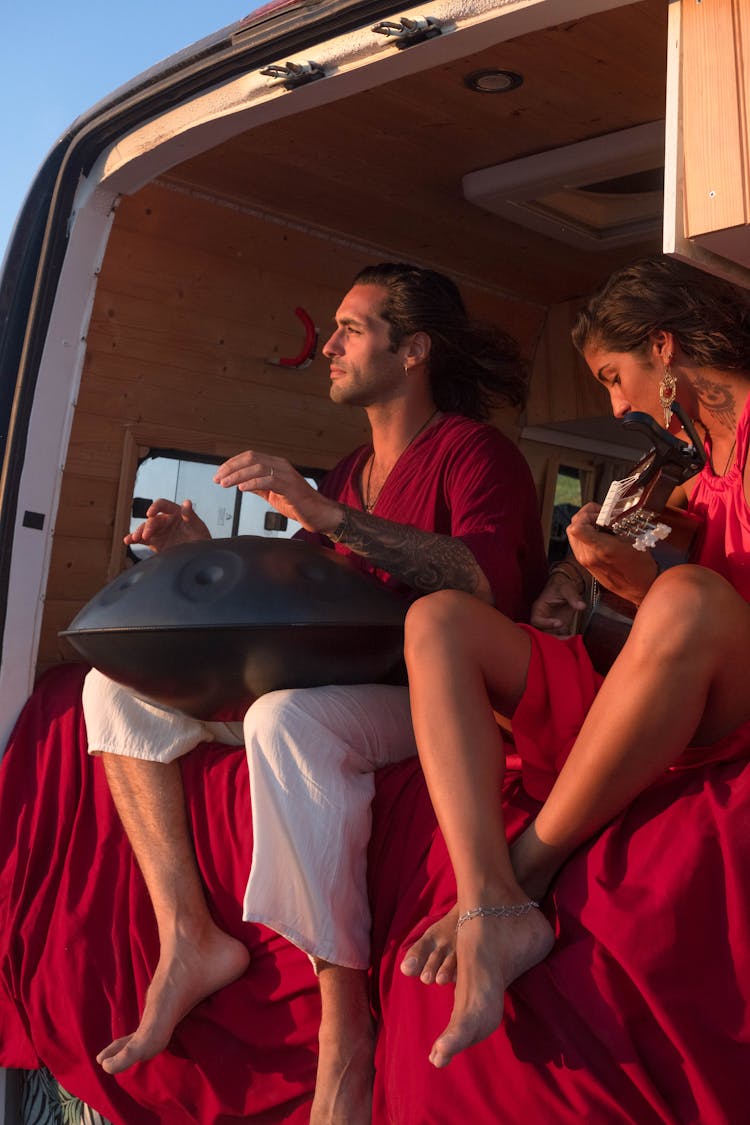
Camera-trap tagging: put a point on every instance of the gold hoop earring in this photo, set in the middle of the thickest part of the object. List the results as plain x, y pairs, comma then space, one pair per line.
667, 391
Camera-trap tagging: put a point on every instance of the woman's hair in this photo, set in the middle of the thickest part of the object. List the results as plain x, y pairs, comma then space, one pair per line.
471, 367
710, 318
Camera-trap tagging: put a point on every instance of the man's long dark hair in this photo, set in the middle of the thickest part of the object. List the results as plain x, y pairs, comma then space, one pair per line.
472, 367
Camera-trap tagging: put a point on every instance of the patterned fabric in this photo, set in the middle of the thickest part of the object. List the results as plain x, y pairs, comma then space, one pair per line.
45, 1102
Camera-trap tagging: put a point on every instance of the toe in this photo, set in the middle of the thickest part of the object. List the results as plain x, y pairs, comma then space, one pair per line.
446, 974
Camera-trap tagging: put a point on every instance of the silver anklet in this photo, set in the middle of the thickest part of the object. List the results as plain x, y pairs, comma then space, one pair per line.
497, 912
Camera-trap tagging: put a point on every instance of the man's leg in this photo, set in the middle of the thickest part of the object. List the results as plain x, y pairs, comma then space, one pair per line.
196, 957
346, 1048
311, 756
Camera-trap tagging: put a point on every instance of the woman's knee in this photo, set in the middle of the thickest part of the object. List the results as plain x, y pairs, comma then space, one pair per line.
688, 605
434, 619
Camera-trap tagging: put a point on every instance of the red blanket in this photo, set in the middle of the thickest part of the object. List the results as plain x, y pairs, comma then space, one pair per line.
639, 1015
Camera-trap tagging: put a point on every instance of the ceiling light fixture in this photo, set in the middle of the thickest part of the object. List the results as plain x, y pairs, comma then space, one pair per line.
493, 81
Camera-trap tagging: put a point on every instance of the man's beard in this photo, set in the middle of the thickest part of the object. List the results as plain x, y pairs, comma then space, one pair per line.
348, 393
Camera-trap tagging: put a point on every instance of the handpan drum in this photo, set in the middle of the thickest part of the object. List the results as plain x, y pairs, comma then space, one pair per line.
214, 624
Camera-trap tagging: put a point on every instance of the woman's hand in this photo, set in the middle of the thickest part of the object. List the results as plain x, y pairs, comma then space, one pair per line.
611, 560
168, 524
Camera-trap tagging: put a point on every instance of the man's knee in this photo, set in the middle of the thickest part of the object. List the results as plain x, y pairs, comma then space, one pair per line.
271, 714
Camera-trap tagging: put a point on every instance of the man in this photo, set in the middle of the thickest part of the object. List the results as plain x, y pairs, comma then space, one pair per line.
438, 500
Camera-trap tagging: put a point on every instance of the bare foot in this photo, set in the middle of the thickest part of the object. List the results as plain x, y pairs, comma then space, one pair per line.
433, 957
492, 953
343, 1086
187, 973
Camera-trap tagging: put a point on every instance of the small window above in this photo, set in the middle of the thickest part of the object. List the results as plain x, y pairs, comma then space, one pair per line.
603, 192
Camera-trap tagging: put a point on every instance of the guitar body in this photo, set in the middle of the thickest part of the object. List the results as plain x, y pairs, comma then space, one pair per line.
610, 617
636, 509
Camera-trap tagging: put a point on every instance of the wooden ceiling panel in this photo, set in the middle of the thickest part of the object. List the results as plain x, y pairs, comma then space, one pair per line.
385, 166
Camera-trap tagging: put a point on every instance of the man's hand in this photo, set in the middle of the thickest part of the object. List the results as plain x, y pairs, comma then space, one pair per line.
167, 524
611, 560
425, 560
278, 482
554, 611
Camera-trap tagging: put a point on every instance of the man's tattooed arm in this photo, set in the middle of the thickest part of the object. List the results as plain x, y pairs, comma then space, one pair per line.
422, 559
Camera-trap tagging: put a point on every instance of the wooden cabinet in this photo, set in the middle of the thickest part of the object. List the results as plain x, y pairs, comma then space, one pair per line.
707, 169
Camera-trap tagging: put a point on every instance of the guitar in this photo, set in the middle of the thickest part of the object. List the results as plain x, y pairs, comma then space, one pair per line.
636, 508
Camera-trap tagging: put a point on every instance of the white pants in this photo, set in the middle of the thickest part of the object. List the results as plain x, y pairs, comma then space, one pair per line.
311, 754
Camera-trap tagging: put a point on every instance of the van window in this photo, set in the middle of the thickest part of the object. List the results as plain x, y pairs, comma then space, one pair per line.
176, 475
567, 501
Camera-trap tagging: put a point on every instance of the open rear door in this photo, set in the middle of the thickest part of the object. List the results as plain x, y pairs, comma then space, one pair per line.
707, 169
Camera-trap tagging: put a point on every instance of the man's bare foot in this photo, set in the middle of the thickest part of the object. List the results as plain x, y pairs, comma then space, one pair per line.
491, 953
343, 1086
433, 957
187, 972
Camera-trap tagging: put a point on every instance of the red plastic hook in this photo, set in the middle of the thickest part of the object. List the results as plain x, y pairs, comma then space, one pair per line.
306, 356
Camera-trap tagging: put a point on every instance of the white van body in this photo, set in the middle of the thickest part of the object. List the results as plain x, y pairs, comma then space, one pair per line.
327, 134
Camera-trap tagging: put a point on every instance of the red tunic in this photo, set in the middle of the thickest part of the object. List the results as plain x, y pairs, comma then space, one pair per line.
467, 480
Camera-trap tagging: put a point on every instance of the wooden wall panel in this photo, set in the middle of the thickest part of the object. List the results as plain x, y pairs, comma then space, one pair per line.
562, 387
193, 298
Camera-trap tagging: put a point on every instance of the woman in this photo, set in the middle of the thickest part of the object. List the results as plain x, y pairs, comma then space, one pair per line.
677, 693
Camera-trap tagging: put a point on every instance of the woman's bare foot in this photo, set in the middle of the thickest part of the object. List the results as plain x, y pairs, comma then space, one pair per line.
188, 971
433, 957
492, 952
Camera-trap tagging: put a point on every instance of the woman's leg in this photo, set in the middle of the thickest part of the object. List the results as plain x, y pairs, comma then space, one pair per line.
681, 679
464, 659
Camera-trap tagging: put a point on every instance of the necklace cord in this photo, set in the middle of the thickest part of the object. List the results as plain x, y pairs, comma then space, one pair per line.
729, 458
367, 503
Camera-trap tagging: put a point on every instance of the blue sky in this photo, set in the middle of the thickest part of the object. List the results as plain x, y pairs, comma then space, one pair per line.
59, 57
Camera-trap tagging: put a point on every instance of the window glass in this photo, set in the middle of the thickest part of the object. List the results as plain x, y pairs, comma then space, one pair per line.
225, 511
567, 501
